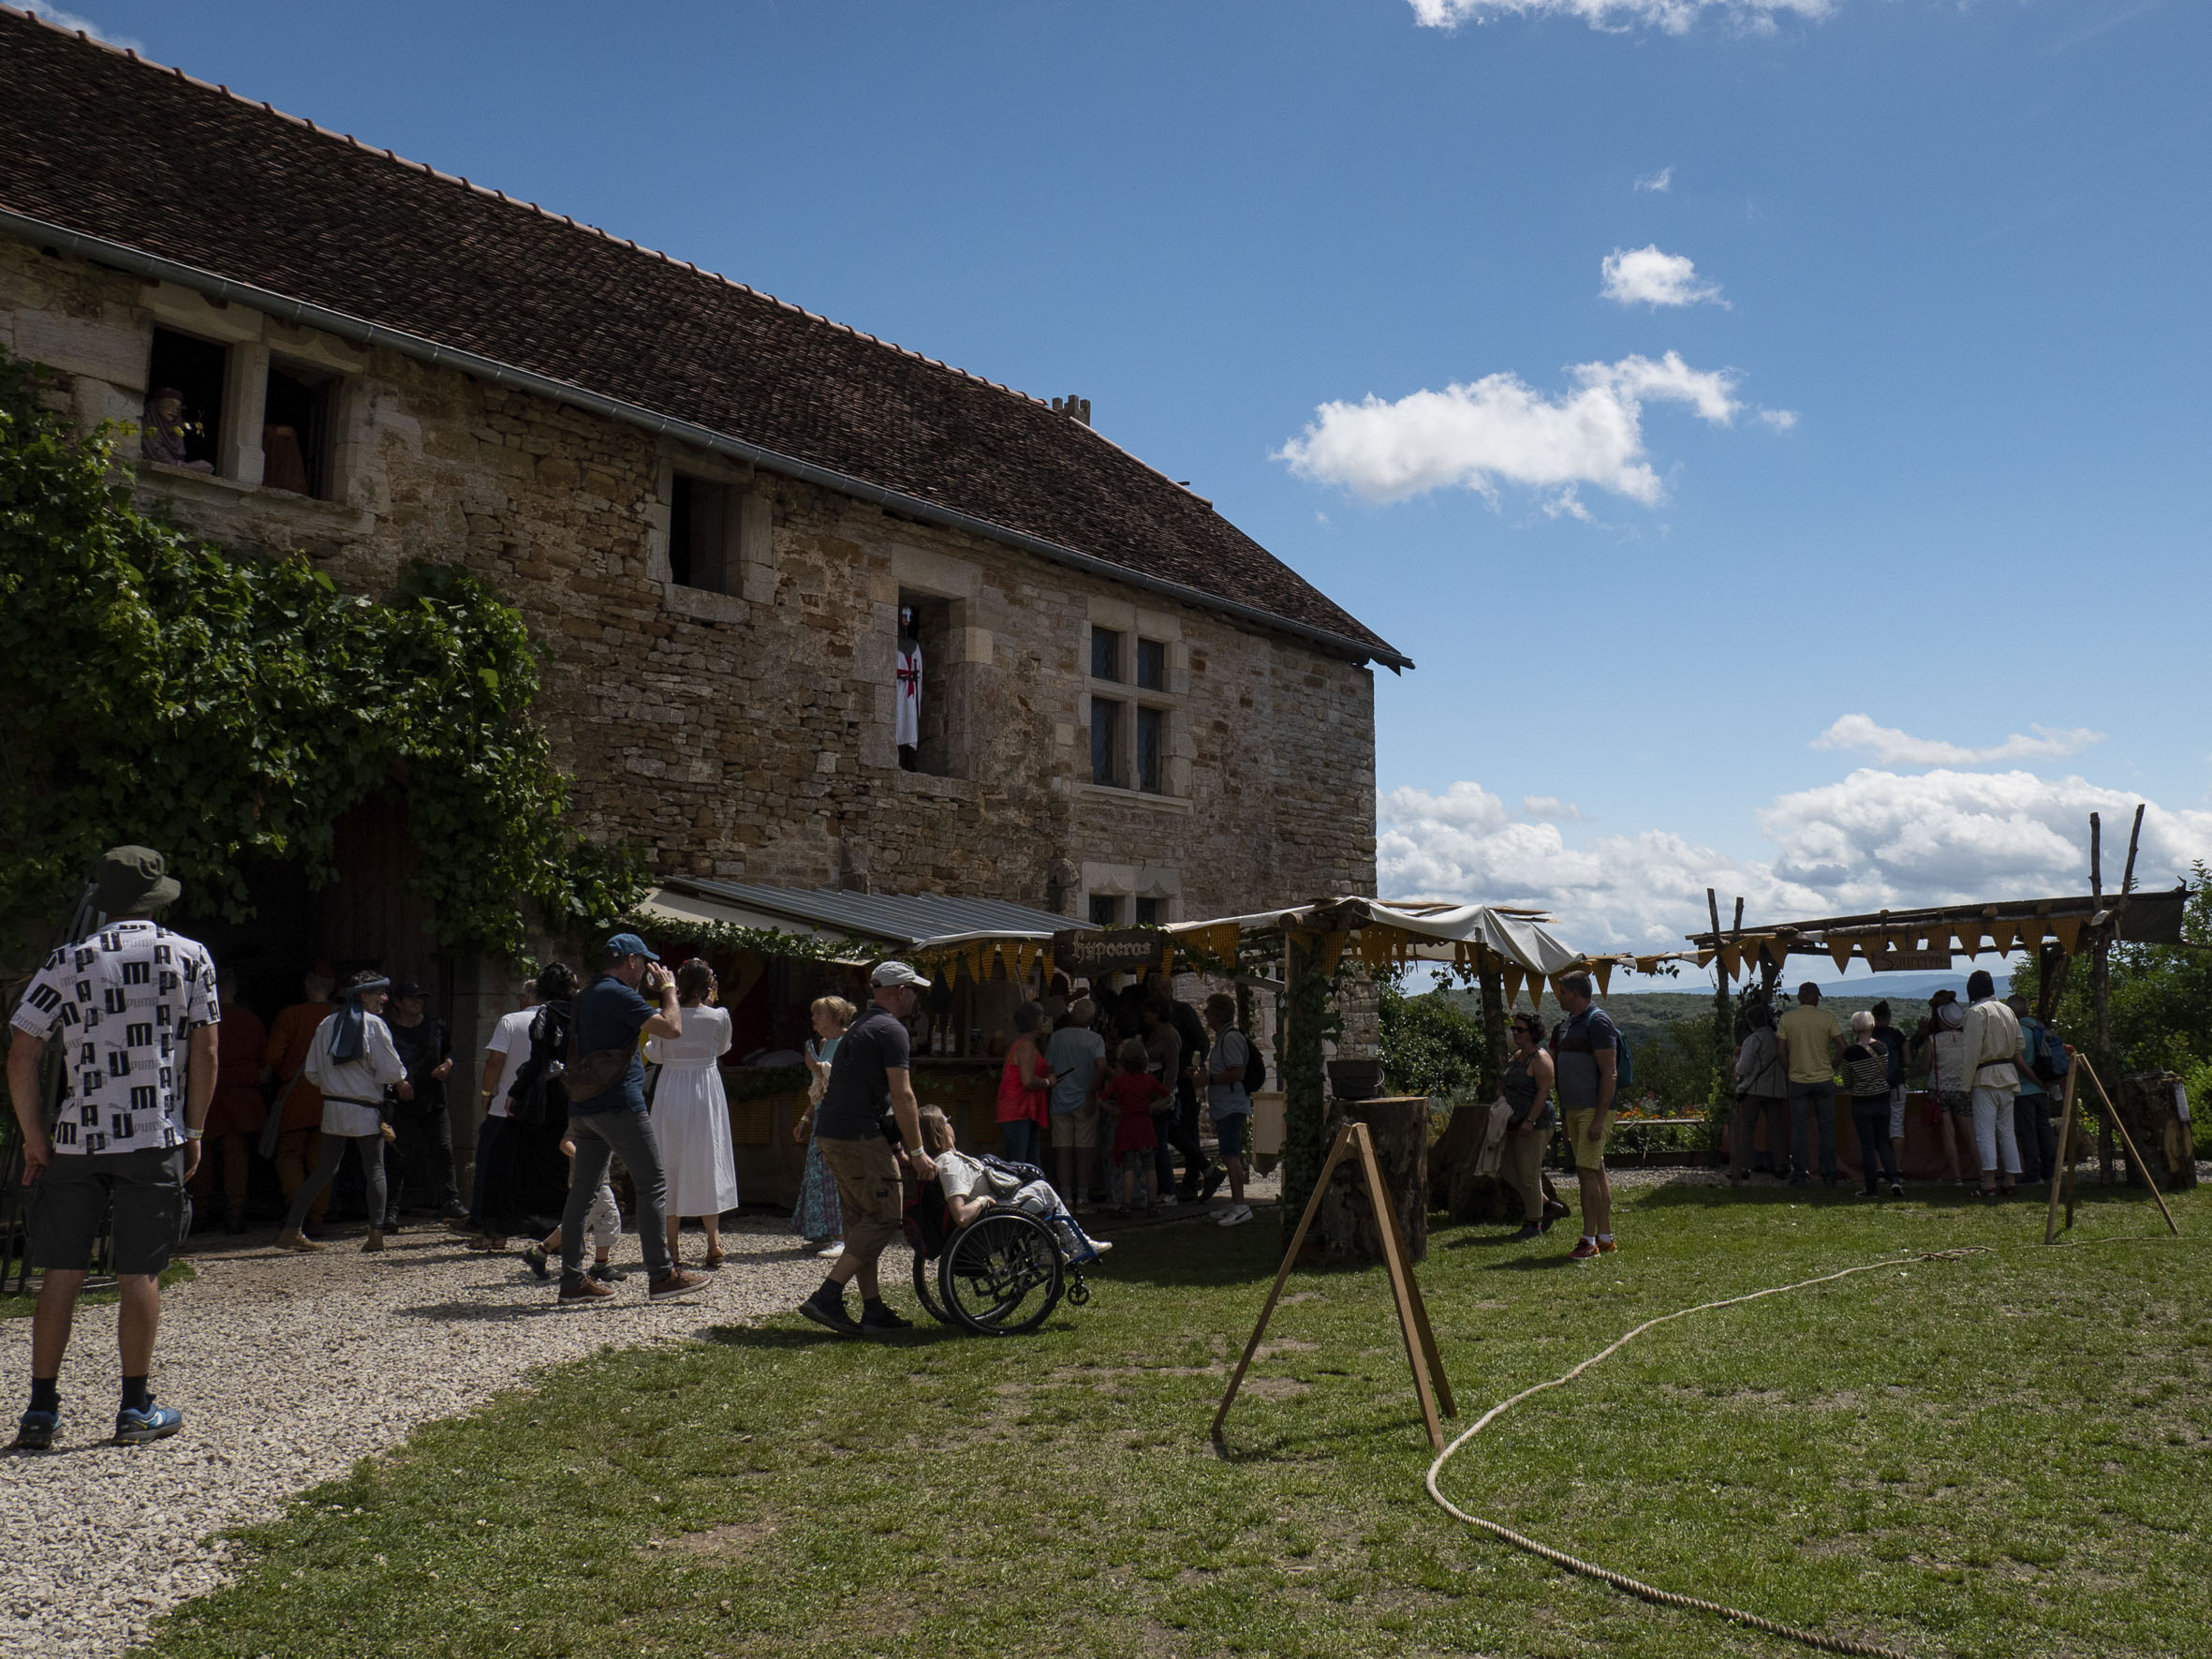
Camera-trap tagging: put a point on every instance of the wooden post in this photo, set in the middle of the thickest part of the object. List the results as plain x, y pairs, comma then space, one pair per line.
2134, 1155
1490, 976
2062, 1170
1421, 1340
2099, 980
1720, 1095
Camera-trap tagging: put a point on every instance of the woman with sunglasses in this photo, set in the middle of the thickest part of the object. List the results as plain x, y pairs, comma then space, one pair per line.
1526, 1085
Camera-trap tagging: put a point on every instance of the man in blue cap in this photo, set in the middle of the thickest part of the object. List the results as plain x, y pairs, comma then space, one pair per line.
607, 1113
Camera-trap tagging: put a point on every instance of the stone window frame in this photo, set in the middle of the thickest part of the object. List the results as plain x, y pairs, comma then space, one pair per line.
1135, 623
750, 562
959, 671
253, 340
1128, 882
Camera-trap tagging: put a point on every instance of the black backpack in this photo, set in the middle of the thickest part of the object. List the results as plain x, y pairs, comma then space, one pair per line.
1255, 1065
540, 1090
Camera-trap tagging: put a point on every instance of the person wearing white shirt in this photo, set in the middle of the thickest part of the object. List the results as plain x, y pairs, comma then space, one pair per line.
1992, 1055
353, 1061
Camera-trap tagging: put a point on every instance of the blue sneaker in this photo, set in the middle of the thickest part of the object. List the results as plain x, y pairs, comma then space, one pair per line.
35, 1433
156, 1422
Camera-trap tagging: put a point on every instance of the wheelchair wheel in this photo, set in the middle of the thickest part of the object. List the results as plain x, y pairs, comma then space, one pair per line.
1001, 1275
925, 1290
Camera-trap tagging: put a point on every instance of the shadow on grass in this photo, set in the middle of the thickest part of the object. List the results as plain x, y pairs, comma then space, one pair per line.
792, 1339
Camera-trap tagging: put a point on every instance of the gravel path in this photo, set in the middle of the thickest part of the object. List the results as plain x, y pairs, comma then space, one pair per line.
289, 1369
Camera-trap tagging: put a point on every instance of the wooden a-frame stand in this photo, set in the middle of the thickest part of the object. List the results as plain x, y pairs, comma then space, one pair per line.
1420, 1342
2064, 1172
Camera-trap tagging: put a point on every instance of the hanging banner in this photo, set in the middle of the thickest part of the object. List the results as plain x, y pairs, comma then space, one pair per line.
1088, 952
1912, 962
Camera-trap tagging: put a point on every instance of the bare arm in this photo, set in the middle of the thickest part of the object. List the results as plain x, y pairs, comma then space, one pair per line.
23, 1054
669, 1022
494, 1069
964, 1211
907, 1111
200, 1089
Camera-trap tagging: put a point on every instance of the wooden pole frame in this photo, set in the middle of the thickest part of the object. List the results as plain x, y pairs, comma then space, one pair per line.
2062, 1169
2134, 1156
1429, 1383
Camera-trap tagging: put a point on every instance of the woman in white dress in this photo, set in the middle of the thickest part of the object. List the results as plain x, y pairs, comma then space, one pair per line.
691, 1115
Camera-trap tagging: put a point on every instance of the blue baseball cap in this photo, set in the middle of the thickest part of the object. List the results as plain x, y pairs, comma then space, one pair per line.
629, 944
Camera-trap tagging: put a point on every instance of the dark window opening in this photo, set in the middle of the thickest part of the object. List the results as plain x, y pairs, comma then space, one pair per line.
190, 433
1148, 912
1105, 742
296, 432
1105, 910
941, 731
1105, 654
1152, 665
1149, 723
699, 534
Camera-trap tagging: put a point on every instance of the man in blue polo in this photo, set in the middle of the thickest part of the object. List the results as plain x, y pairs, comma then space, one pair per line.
611, 1017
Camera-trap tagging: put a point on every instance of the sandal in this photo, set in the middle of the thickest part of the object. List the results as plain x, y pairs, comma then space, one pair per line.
713, 1259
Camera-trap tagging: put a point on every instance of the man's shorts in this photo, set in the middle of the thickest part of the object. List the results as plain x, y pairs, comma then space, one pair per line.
869, 1192
68, 1203
1588, 1153
1079, 1128
1231, 1129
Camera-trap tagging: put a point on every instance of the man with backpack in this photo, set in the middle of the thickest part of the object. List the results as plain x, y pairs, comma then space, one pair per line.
1587, 1051
2031, 1108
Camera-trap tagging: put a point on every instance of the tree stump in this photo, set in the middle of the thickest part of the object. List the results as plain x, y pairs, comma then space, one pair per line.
1346, 1227
1461, 1142
2146, 1100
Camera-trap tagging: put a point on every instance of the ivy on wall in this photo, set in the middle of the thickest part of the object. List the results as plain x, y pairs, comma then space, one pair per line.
226, 710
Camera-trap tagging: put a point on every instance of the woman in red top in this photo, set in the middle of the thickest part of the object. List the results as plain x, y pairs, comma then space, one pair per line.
238, 1110
1134, 1091
1025, 1090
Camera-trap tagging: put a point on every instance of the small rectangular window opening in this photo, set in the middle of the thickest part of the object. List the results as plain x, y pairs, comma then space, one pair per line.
1149, 723
698, 531
1106, 742
1105, 654
183, 428
296, 431
1152, 665
1148, 912
1105, 910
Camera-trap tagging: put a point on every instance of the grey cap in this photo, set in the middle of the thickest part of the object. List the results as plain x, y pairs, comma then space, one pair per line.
896, 973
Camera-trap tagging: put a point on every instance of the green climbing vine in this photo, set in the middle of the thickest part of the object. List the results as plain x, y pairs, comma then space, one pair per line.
1310, 1020
227, 709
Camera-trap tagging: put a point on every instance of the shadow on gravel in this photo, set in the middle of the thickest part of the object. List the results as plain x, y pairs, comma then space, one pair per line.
493, 1312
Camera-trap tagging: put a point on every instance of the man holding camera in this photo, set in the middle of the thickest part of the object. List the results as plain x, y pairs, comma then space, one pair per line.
611, 1017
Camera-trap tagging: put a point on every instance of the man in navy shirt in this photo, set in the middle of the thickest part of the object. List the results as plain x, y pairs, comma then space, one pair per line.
611, 1015
1587, 1051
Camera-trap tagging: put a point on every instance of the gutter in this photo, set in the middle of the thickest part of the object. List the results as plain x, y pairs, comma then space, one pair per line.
363, 332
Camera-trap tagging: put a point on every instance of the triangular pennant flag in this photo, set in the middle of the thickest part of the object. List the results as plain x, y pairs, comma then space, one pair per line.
1839, 951
1647, 964
1605, 977
1513, 986
1732, 955
2001, 935
1970, 940
2069, 929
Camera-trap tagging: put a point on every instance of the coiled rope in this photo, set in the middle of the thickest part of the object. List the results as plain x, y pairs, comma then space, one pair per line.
1636, 1587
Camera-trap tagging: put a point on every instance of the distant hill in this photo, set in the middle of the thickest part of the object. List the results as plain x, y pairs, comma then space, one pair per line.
1646, 1017
1873, 986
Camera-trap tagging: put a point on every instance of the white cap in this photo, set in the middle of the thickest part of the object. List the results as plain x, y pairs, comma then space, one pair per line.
896, 973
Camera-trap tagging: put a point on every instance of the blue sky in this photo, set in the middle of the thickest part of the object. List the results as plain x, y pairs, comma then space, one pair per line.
1930, 461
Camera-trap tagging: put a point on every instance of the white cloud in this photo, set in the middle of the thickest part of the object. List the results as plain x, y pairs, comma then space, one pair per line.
1501, 431
1893, 747
1550, 809
1674, 16
1659, 181
71, 20
1874, 839
1647, 277
1781, 420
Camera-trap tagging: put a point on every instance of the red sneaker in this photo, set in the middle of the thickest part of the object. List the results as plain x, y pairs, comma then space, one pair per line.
1584, 1250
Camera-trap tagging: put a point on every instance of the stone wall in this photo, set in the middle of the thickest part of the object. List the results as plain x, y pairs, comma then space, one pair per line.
747, 733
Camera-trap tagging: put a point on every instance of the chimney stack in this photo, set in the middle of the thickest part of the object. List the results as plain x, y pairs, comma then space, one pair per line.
1075, 409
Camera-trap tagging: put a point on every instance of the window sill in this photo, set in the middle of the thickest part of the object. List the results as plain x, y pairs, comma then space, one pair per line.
184, 482
1136, 797
702, 605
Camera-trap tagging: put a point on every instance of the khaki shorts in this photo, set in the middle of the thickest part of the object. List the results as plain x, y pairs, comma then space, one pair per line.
869, 1193
1079, 1128
1588, 1153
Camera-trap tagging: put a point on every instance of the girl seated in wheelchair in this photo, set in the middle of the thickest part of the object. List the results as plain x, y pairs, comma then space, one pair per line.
972, 1185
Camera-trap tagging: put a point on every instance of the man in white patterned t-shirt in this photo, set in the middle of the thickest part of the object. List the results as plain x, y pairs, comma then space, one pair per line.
134, 1007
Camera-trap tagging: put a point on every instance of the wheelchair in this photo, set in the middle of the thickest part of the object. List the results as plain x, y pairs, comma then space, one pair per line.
1000, 1276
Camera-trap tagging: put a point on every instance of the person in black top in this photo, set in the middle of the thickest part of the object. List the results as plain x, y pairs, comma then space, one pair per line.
869, 1076
1199, 1178
423, 1133
1866, 1075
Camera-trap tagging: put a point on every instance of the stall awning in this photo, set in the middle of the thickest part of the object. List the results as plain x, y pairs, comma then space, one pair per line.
895, 921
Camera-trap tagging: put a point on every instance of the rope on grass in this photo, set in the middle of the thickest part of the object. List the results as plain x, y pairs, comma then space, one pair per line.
1636, 1587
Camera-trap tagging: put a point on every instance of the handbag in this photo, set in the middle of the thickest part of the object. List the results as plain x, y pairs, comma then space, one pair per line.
592, 1074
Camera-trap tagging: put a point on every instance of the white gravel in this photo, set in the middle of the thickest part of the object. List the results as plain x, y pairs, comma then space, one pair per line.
289, 1369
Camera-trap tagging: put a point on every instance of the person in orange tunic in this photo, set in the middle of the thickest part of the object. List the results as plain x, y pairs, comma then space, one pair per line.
299, 1133
238, 1111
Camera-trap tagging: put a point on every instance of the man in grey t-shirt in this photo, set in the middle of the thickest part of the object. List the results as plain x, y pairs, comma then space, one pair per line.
1587, 1050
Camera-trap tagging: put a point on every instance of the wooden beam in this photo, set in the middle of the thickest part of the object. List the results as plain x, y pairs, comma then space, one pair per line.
2062, 1170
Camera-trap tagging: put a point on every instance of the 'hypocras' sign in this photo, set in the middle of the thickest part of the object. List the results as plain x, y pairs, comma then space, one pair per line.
1107, 950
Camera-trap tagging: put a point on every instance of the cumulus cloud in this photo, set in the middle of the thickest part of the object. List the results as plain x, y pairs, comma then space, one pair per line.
1550, 809
1781, 420
1657, 183
1501, 431
1873, 840
1893, 747
1672, 16
1647, 277
71, 20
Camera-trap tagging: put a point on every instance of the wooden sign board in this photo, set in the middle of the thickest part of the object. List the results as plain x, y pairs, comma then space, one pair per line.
1092, 951
1910, 962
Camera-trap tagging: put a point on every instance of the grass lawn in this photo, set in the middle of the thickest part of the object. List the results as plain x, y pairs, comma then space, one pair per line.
20, 1307
2002, 1455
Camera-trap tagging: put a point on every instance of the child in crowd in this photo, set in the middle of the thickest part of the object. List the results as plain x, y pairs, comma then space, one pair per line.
602, 1226
971, 1187
1130, 1094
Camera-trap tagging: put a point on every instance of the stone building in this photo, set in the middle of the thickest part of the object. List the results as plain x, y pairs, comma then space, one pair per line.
710, 504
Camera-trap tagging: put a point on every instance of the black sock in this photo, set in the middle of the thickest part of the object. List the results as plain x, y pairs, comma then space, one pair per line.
831, 1292
46, 1394
136, 1397
871, 1302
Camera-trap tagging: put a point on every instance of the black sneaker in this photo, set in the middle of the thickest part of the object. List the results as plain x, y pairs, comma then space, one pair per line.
1528, 1230
35, 1432
828, 1310
878, 1316
537, 1262
606, 1273
1896, 1189
1212, 1184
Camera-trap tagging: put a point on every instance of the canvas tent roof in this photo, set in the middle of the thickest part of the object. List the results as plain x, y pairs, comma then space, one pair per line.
904, 920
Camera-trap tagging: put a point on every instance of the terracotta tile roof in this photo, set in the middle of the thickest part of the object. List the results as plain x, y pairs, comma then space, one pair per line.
99, 142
